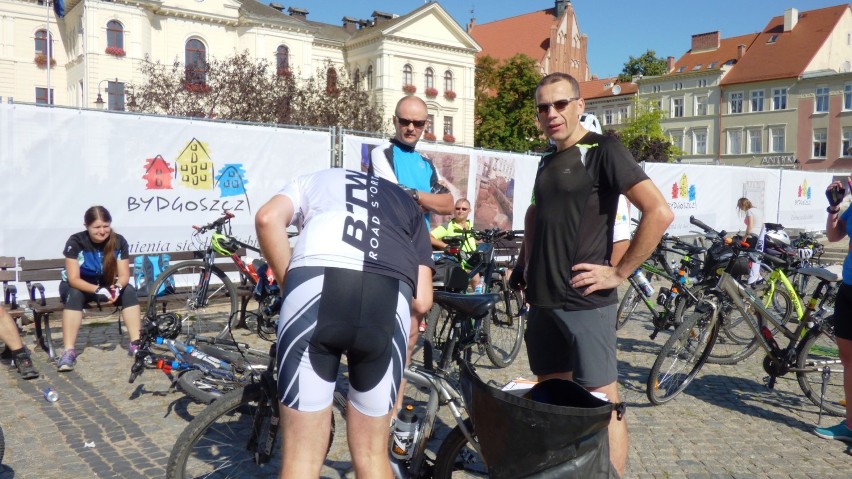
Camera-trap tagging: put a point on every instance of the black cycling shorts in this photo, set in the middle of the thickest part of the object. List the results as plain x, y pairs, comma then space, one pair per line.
74, 299
331, 311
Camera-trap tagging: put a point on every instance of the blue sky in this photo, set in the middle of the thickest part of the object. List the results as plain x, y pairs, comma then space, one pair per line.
616, 29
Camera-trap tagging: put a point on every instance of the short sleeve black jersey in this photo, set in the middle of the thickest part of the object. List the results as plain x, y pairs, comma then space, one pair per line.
353, 220
90, 256
576, 196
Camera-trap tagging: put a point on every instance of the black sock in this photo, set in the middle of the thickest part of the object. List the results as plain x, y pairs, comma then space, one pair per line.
18, 351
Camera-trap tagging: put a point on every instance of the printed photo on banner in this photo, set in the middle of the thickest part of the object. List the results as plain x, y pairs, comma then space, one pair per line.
495, 192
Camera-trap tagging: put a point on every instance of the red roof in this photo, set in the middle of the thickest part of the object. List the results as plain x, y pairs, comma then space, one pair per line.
528, 34
791, 52
603, 88
713, 59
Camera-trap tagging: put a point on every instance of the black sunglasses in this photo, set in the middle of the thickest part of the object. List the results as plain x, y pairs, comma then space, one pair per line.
558, 105
405, 122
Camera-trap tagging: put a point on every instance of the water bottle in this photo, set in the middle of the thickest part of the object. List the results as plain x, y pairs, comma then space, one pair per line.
403, 433
479, 289
215, 362
50, 395
672, 296
643, 282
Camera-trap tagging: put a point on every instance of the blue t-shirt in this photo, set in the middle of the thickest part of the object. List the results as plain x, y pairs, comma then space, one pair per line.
847, 263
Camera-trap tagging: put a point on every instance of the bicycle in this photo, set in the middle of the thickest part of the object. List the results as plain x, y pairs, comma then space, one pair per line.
203, 292
502, 333
238, 433
811, 352
205, 369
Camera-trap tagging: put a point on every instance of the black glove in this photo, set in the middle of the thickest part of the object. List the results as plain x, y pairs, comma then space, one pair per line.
516, 279
835, 195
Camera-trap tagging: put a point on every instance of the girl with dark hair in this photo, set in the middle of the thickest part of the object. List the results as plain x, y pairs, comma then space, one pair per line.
97, 269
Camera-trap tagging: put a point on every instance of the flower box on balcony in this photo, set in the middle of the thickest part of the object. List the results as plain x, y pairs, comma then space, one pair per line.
115, 51
429, 136
448, 138
409, 89
450, 95
284, 72
198, 87
41, 61
431, 92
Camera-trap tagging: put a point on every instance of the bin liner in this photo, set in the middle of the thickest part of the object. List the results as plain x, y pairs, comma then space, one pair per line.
557, 430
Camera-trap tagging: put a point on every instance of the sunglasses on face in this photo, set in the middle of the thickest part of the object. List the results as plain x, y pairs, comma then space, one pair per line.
406, 122
462, 209
558, 105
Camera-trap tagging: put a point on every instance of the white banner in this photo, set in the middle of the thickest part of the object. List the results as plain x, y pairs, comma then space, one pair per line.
157, 176
802, 201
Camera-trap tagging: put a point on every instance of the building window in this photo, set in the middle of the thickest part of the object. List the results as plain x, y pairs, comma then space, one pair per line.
735, 142
42, 40
701, 105
369, 77
41, 95
736, 102
778, 140
115, 34
677, 107
623, 114
755, 141
846, 144
699, 142
196, 61
820, 143
847, 96
282, 59
448, 125
676, 138
607, 119
430, 78
821, 105
430, 121
407, 75
701, 83
331, 81
757, 100
779, 99
356, 80
115, 96
448, 81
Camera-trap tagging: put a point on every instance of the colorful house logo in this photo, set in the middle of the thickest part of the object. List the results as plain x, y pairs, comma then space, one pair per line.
158, 174
194, 166
804, 190
682, 190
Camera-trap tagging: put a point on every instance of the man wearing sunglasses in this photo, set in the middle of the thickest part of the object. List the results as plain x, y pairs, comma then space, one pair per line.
571, 285
456, 227
397, 161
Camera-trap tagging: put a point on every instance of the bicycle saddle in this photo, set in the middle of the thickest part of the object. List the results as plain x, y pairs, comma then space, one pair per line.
820, 273
473, 305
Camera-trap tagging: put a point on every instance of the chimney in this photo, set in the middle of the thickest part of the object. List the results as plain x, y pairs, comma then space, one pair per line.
594, 77
791, 18
670, 62
559, 7
298, 12
741, 49
471, 25
277, 6
364, 23
350, 24
705, 41
381, 17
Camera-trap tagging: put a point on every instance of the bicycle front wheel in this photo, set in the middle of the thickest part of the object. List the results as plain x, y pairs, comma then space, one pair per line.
631, 300
206, 388
222, 440
504, 327
683, 356
457, 458
204, 297
820, 366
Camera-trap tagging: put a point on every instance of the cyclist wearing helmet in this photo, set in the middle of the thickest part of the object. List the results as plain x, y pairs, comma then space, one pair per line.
362, 242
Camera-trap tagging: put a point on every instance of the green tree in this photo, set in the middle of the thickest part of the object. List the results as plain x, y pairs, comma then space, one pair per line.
647, 65
505, 104
246, 89
643, 136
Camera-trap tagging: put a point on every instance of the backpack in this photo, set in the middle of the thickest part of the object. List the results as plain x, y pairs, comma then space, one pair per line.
146, 270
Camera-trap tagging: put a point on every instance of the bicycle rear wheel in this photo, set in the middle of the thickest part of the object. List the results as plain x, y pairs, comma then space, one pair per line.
206, 388
201, 313
504, 327
626, 308
818, 354
683, 356
456, 457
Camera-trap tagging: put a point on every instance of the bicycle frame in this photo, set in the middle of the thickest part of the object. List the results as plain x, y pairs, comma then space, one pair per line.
779, 275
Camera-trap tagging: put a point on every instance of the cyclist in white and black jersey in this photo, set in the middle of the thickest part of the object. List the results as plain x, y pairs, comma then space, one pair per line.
362, 242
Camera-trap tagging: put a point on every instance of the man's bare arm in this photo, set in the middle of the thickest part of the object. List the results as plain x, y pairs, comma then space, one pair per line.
271, 223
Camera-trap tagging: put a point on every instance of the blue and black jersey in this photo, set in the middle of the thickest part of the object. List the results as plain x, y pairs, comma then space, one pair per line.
90, 257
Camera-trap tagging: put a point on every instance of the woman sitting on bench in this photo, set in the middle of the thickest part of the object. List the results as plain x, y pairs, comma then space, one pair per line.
97, 269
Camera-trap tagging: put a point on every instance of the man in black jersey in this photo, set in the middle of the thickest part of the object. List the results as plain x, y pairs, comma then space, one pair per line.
567, 244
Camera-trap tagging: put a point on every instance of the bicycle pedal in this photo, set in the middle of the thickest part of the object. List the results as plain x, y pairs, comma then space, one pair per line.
769, 382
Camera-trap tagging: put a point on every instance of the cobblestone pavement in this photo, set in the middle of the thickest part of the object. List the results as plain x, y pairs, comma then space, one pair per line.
725, 425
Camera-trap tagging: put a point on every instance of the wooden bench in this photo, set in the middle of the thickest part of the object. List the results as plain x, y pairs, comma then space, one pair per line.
35, 272
8, 277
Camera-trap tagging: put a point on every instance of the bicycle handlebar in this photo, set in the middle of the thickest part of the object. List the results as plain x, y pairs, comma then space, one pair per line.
226, 217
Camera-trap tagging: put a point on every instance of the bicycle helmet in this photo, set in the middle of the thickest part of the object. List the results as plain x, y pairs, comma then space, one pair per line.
168, 325
778, 236
591, 123
223, 245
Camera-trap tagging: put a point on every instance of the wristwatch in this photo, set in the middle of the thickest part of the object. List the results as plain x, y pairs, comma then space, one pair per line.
416, 195
833, 211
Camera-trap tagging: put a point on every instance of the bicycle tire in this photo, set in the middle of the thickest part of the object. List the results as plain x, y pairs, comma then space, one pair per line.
437, 329
2, 445
456, 458
216, 439
627, 306
239, 358
206, 388
690, 345
183, 280
819, 348
504, 327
